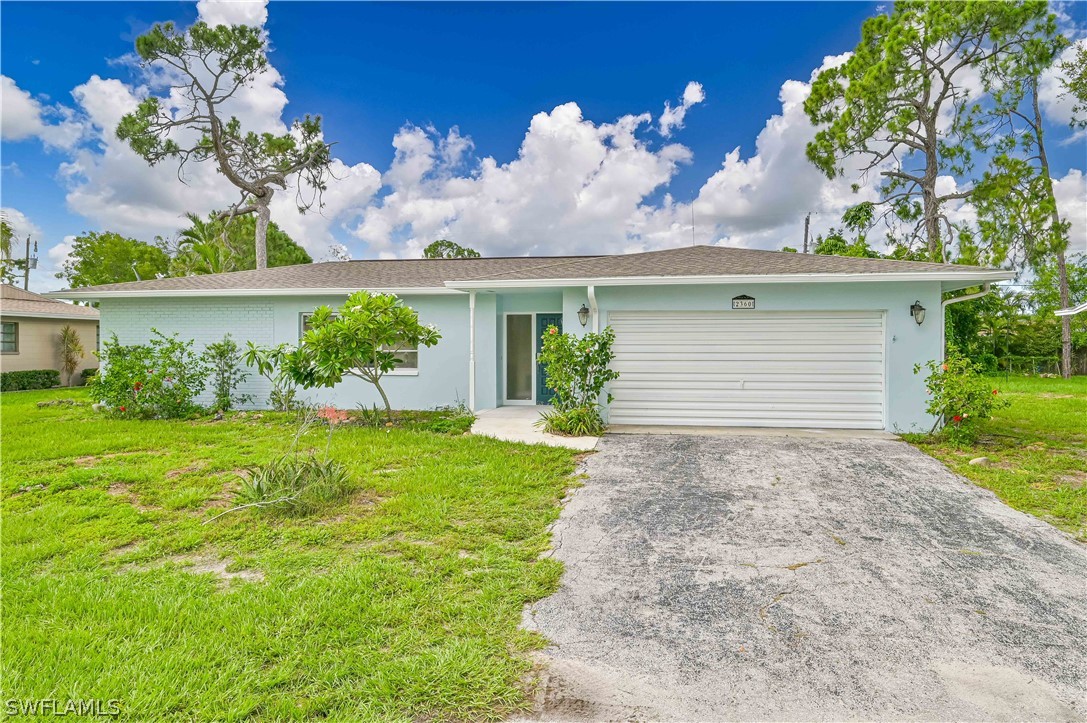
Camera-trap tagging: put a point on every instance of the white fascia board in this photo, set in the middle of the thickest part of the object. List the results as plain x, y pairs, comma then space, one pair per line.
973, 278
80, 295
43, 315
1072, 311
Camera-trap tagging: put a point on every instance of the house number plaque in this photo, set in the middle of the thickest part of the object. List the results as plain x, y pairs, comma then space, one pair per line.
743, 302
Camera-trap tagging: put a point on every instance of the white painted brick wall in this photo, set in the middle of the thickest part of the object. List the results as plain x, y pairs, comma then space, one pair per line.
204, 321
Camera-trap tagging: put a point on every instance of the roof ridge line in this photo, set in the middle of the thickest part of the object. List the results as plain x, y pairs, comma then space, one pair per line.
573, 259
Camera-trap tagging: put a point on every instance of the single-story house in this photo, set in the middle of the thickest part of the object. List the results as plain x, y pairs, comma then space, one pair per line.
705, 335
30, 327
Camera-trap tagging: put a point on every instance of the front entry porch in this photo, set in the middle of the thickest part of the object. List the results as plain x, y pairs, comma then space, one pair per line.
517, 424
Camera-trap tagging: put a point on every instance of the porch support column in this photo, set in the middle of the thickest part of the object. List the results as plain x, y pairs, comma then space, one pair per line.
472, 351
594, 309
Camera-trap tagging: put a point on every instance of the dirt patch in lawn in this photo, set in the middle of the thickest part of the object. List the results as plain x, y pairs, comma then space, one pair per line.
122, 490
91, 460
175, 473
201, 564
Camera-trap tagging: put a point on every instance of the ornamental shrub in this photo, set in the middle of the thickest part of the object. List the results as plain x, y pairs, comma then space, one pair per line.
299, 482
367, 337
577, 370
959, 396
224, 359
29, 379
270, 363
160, 379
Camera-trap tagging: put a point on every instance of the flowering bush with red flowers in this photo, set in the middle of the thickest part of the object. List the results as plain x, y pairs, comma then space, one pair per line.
959, 396
333, 416
160, 379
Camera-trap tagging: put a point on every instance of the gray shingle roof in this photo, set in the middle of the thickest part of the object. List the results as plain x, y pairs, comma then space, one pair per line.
375, 274
435, 273
718, 261
17, 302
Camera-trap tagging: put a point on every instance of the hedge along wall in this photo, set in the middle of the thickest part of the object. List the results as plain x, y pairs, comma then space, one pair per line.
29, 379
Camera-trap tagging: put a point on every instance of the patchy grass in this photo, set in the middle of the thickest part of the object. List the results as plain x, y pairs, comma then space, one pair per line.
403, 603
1037, 450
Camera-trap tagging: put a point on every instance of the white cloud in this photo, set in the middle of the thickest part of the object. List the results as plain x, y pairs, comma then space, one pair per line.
233, 12
1055, 101
761, 201
575, 186
1071, 195
23, 117
20, 114
42, 278
672, 118
21, 225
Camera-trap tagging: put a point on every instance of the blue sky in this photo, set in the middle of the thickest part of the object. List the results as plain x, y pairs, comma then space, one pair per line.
414, 71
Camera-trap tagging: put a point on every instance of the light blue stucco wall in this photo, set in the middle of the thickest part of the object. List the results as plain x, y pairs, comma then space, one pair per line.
444, 369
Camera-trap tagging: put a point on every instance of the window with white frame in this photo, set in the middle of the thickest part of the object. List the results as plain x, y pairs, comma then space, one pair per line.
407, 357
9, 337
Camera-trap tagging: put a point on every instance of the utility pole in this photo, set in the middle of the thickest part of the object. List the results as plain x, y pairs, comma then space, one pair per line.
807, 223
29, 262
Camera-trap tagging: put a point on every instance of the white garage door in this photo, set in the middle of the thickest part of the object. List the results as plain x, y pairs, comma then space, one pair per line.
749, 368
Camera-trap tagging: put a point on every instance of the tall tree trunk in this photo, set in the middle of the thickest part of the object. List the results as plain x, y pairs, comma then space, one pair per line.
1066, 321
929, 204
1062, 240
264, 217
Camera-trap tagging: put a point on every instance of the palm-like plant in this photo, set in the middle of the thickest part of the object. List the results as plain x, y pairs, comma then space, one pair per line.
203, 249
71, 351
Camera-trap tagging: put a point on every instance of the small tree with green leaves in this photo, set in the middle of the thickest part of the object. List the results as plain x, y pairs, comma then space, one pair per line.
442, 249
364, 338
71, 351
271, 363
225, 358
578, 368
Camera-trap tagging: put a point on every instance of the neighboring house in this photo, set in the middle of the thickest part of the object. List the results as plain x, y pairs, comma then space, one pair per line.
30, 327
704, 335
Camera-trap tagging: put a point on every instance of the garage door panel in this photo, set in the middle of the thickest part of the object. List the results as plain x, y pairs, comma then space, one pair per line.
783, 359
756, 396
778, 366
749, 368
762, 381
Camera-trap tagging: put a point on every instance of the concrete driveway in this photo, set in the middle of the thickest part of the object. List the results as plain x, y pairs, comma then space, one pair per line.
786, 578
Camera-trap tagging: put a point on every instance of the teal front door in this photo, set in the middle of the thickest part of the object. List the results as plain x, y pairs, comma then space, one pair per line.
543, 392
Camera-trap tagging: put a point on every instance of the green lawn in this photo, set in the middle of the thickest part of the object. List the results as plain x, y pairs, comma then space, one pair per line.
1037, 449
403, 603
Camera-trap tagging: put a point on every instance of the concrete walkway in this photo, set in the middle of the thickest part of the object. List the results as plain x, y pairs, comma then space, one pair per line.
791, 578
517, 424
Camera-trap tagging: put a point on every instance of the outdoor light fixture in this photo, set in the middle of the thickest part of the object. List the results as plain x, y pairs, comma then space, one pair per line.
583, 315
918, 312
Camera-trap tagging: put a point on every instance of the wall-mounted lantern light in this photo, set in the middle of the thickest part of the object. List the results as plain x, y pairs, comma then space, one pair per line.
583, 315
917, 312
